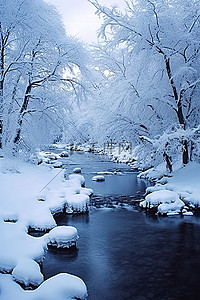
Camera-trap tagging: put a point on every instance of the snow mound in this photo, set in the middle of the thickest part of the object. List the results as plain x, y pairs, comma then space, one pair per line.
27, 272
17, 245
62, 287
79, 178
77, 170
62, 236
164, 200
47, 157
98, 178
166, 208
78, 203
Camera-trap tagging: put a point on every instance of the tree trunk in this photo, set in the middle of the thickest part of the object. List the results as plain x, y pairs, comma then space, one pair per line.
168, 162
185, 154
21, 113
179, 111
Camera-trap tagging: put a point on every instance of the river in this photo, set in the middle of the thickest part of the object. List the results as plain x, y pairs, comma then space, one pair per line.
123, 253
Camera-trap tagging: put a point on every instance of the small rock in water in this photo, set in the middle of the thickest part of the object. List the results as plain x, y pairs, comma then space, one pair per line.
58, 164
187, 213
64, 154
77, 170
98, 178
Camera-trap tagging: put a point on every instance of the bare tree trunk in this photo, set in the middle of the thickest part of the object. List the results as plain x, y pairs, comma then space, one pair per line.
21, 113
179, 111
168, 162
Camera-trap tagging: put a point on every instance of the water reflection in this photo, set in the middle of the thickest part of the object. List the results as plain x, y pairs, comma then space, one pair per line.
123, 255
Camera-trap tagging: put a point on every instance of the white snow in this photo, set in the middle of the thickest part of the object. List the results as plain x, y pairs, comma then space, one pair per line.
105, 173
78, 203
98, 178
78, 177
30, 194
171, 207
62, 287
27, 271
162, 196
184, 181
16, 245
86, 191
166, 201
62, 236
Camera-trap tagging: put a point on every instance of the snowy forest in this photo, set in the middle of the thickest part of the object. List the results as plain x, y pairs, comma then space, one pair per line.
136, 90
139, 84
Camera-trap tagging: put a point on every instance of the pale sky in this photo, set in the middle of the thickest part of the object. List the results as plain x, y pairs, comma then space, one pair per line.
79, 17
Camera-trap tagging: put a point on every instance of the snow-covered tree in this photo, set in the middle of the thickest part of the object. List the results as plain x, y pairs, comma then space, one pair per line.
40, 69
158, 67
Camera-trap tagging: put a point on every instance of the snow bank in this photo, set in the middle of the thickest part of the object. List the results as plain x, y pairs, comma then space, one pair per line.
27, 272
30, 194
62, 237
184, 181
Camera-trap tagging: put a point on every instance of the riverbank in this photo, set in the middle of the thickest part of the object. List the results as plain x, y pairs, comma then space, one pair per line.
30, 195
183, 182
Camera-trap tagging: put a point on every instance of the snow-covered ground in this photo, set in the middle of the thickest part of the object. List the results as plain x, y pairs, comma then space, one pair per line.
183, 181
30, 195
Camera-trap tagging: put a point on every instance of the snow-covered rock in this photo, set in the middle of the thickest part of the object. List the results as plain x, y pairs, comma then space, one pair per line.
164, 200
27, 272
187, 213
47, 157
77, 170
166, 208
64, 154
78, 203
98, 178
58, 164
158, 197
105, 173
62, 236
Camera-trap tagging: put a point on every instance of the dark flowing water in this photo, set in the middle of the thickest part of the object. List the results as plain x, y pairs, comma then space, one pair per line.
124, 254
